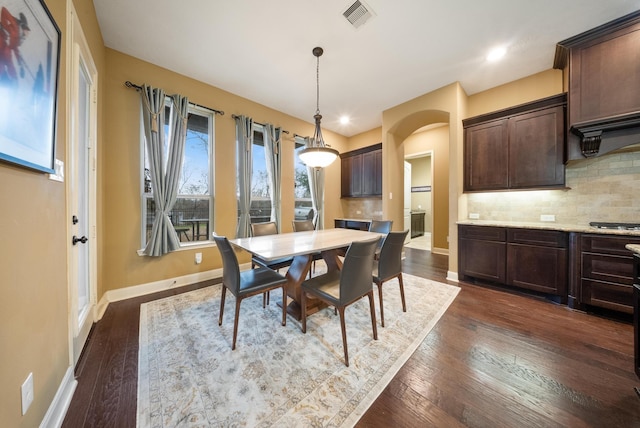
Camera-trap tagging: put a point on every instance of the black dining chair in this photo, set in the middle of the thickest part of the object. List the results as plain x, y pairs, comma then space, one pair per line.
380, 226
262, 229
389, 266
246, 283
341, 288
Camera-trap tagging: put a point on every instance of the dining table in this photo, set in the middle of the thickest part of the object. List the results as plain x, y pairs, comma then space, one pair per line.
302, 246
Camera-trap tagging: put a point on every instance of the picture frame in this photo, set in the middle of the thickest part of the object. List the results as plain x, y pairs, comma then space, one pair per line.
29, 68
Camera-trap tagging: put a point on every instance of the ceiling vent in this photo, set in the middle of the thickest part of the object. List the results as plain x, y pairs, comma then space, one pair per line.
358, 13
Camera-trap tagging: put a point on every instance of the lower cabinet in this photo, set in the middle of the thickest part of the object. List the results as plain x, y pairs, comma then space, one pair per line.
530, 259
351, 224
606, 272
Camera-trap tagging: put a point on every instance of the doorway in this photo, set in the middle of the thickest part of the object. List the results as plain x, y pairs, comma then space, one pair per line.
418, 188
81, 187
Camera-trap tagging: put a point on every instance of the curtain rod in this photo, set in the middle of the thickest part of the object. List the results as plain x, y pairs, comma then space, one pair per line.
258, 123
128, 84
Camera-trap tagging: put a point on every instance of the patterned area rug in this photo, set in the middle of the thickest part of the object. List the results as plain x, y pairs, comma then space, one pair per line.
277, 376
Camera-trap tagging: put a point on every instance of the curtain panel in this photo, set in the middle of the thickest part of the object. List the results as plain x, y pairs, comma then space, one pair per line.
272, 150
244, 144
164, 168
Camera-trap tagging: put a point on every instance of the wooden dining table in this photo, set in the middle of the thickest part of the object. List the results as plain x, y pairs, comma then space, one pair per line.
301, 246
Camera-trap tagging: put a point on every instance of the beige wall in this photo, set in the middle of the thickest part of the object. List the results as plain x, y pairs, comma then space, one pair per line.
121, 171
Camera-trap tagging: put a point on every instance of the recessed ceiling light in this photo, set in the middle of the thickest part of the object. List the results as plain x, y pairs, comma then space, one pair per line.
496, 53
344, 120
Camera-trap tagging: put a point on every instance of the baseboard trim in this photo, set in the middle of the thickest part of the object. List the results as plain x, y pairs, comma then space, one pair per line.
60, 404
154, 287
452, 276
442, 251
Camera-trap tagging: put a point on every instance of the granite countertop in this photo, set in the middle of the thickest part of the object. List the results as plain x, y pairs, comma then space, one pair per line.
550, 226
633, 247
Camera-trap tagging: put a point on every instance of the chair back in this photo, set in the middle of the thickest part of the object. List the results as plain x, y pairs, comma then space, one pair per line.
355, 276
302, 225
390, 259
261, 229
230, 266
380, 226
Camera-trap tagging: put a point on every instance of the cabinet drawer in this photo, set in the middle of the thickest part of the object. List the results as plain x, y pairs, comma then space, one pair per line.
543, 238
608, 295
608, 244
603, 267
484, 233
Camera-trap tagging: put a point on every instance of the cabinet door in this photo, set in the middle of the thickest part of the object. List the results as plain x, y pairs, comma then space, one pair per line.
372, 173
351, 180
542, 269
486, 156
536, 149
482, 252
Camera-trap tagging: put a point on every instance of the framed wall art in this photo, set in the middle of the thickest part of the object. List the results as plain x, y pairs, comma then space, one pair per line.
29, 66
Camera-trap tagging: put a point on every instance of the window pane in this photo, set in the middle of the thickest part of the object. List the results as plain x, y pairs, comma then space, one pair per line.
194, 179
302, 193
260, 210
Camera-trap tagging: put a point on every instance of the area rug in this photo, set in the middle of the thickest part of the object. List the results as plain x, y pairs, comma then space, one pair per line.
188, 376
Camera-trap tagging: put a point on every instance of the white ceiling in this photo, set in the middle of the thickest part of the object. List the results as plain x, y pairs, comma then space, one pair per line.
261, 50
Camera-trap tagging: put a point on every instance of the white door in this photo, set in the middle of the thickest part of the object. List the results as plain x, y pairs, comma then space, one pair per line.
81, 187
407, 199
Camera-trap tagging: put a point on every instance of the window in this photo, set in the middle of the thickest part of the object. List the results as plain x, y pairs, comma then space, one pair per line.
192, 213
302, 193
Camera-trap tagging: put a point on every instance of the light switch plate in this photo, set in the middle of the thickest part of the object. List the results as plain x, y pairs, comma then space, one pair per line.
27, 393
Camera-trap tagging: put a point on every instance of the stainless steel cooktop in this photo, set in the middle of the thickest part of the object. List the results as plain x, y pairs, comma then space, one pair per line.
616, 226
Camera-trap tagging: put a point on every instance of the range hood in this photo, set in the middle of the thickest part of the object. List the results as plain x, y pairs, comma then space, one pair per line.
603, 69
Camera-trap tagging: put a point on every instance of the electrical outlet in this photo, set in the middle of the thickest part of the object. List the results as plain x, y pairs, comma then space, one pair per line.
198, 258
27, 393
474, 216
547, 217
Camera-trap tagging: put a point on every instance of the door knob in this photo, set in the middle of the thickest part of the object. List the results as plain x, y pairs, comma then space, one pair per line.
75, 240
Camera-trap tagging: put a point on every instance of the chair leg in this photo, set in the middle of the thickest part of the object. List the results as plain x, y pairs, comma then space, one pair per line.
379, 284
235, 323
344, 337
303, 310
284, 305
224, 293
373, 314
404, 305
265, 299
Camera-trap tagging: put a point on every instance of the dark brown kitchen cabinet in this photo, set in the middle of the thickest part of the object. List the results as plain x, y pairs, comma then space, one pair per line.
482, 252
417, 224
604, 95
362, 172
606, 272
517, 148
529, 259
537, 260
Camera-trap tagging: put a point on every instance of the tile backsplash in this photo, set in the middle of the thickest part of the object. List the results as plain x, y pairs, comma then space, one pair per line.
605, 188
366, 208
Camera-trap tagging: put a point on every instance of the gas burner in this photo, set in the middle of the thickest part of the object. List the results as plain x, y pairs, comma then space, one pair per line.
616, 226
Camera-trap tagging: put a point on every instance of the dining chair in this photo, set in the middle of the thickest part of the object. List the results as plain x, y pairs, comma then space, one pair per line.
389, 266
380, 226
306, 225
341, 288
246, 283
262, 229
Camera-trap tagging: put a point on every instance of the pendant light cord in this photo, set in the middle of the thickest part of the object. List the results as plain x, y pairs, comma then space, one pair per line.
318, 85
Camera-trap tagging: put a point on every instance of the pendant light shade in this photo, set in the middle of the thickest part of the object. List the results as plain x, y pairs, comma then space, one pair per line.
317, 154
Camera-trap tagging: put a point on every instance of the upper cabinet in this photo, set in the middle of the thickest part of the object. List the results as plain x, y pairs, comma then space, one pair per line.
517, 148
604, 86
362, 172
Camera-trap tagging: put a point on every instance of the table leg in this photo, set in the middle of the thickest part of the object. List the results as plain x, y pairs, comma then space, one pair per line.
297, 273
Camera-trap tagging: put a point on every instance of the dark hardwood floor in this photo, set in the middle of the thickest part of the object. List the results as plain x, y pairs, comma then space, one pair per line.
495, 359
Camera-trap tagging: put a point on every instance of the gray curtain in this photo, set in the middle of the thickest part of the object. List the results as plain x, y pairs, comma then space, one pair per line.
164, 168
316, 186
244, 144
272, 145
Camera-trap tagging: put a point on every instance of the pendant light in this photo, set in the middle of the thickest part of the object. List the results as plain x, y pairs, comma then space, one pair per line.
317, 154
